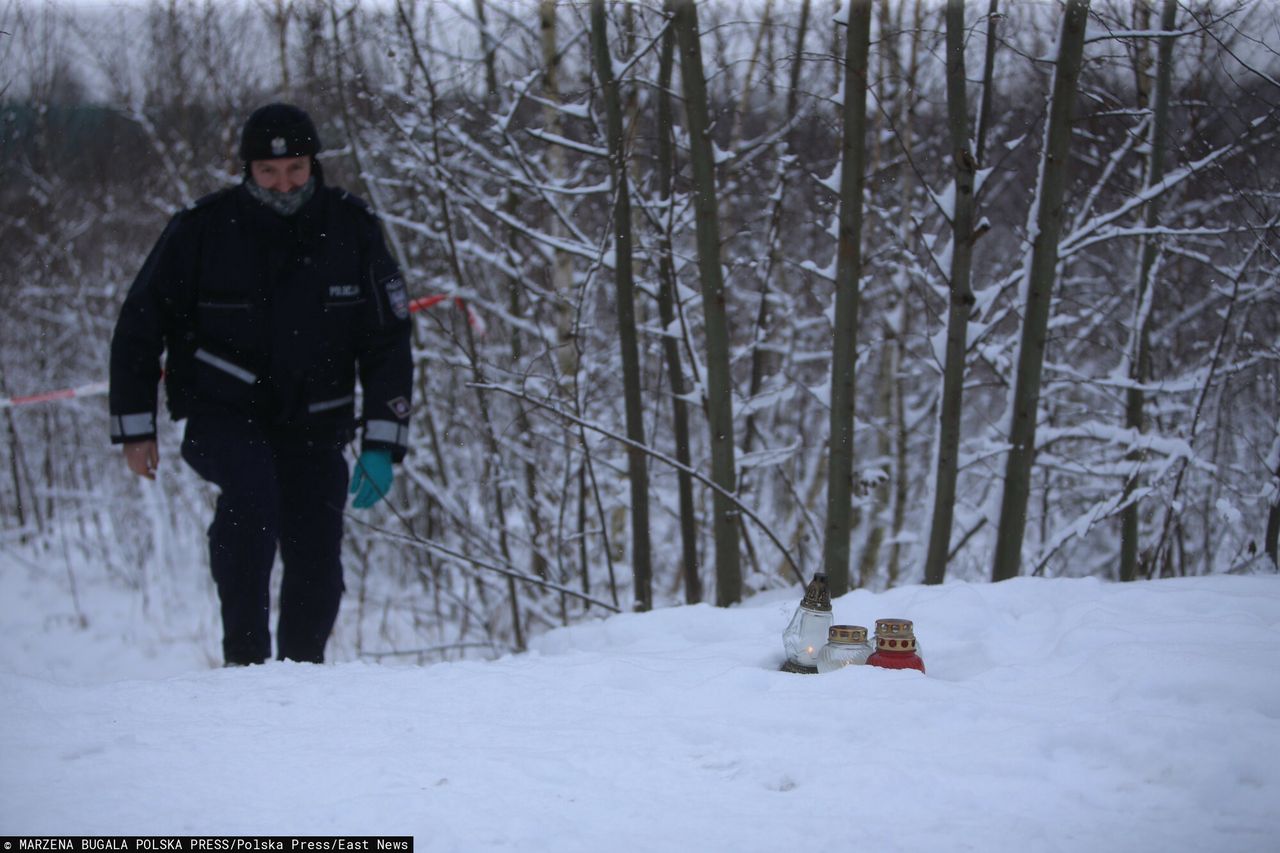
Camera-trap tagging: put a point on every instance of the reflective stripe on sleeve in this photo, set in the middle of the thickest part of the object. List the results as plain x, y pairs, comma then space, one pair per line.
389, 432
124, 426
225, 366
326, 405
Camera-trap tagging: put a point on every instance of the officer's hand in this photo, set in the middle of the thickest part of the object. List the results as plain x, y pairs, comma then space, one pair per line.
142, 457
371, 480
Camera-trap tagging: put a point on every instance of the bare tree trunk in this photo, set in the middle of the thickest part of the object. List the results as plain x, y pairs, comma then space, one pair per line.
1141, 54
793, 88
836, 51
902, 332
490, 49
872, 514
637, 467
562, 261
759, 357
1041, 273
666, 311
537, 557
1139, 355
743, 107
632, 100
1271, 540
707, 223
835, 552
890, 82
988, 90
15, 469
961, 303
887, 513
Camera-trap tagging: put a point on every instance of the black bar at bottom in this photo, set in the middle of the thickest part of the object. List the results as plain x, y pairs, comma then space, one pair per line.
207, 843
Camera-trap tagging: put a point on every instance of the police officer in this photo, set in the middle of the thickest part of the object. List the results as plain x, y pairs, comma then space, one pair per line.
267, 300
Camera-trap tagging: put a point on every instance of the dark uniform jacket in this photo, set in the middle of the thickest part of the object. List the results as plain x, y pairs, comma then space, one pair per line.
270, 318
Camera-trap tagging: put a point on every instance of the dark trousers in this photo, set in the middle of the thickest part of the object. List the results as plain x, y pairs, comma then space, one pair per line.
272, 491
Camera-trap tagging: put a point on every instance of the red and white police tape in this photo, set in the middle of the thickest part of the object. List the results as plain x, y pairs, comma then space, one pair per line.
95, 388
89, 390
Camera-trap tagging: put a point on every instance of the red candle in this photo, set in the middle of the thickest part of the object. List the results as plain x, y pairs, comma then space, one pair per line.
895, 646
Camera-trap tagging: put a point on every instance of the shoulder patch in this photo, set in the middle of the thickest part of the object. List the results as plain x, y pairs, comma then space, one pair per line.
397, 296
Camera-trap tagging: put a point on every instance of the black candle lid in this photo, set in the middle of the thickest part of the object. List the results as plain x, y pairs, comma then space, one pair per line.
816, 595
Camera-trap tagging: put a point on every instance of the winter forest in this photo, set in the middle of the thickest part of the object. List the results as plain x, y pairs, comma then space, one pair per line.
714, 295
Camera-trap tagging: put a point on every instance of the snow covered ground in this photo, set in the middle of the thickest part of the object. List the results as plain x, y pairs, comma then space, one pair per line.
1057, 715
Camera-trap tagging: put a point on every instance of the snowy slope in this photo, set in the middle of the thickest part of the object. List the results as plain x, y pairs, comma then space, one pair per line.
1057, 715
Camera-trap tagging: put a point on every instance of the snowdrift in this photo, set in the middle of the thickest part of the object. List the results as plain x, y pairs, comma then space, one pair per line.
1056, 715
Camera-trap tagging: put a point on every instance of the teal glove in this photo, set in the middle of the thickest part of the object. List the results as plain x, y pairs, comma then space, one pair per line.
371, 480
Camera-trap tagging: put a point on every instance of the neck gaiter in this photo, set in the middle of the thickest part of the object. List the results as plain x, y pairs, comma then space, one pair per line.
285, 204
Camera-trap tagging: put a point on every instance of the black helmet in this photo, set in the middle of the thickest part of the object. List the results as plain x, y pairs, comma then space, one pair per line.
278, 130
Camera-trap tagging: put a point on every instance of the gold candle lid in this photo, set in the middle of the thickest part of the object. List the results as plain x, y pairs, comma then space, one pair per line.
816, 595
847, 634
895, 635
